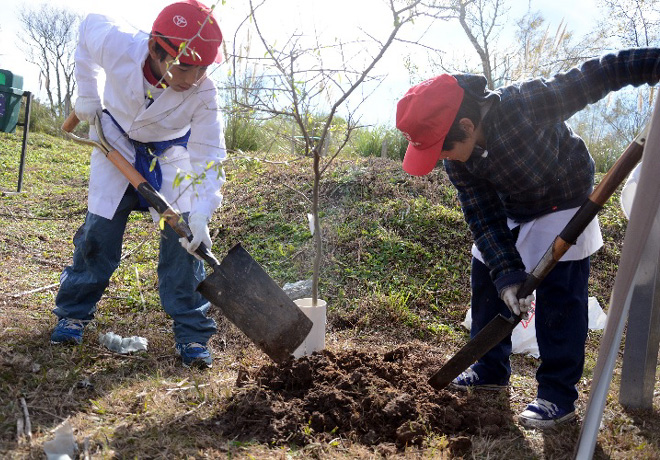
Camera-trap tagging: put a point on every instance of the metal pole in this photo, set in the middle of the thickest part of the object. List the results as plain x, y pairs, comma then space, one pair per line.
26, 128
641, 350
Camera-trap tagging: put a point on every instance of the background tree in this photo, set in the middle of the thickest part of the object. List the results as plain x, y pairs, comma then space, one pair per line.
533, 49
630, 23
481, 20
543, 51
49, 42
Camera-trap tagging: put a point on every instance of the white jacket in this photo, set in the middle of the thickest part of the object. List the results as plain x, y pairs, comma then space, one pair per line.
121, 54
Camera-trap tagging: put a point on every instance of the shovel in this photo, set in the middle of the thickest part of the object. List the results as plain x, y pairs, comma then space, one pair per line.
501, 327
238, 286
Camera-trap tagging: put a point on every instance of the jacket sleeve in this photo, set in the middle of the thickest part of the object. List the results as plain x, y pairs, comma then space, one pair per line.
485, 216
89, 53
558, 98
206, 148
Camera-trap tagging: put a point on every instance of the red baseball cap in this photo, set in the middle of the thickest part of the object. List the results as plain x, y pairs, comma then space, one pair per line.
424, 116
186, 21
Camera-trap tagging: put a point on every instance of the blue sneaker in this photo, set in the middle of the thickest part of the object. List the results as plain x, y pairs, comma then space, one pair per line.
469, 380
544, 414
68, 330
195, 354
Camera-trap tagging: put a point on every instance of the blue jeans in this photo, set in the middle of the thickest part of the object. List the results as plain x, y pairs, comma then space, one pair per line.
97, 255
562, 321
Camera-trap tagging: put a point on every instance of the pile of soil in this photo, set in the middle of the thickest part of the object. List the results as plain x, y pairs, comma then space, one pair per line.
371, 398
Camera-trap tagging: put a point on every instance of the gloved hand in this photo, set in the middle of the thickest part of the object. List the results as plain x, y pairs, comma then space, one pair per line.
200, 233
87, 108
518, 307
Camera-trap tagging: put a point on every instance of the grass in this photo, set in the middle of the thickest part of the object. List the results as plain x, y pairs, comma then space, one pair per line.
396, 270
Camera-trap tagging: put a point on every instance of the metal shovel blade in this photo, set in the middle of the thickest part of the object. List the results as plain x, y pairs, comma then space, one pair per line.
493, 333
254, 303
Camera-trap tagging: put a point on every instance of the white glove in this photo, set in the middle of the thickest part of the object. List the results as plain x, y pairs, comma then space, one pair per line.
200, 233
87, 108
518, 307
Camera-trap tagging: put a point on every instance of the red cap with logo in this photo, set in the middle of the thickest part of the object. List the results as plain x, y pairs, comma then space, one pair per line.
186, 22
424, 116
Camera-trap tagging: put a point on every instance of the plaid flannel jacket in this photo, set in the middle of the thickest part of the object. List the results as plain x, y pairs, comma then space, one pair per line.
535, 163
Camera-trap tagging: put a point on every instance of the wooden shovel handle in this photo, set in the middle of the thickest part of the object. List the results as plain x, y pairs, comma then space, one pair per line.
70, 123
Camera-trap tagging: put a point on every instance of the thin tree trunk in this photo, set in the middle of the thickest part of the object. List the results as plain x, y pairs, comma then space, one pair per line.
318, 237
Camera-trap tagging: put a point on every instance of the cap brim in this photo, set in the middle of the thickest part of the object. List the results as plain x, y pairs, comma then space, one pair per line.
420, 162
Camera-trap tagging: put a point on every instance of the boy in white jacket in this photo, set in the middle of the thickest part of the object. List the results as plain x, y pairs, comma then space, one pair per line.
157, 103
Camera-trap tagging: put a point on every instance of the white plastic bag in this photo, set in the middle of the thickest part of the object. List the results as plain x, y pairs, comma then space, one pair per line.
123, 345
523, 337
63, 446
629, 190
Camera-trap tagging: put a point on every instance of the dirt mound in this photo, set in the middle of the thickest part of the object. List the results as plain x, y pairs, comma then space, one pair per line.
371, 398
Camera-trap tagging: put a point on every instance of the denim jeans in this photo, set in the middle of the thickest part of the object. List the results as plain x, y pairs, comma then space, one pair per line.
562, 320
97, 255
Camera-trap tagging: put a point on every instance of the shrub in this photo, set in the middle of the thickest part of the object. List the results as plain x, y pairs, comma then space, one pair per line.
42, 120
605, 152
243, 133
369, 142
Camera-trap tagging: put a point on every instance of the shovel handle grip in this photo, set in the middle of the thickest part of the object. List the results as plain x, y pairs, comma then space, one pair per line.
150, 194
70, 123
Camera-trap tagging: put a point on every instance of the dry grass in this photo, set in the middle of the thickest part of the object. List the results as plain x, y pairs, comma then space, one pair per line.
396, 273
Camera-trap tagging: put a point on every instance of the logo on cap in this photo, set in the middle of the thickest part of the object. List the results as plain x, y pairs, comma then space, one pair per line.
179, 21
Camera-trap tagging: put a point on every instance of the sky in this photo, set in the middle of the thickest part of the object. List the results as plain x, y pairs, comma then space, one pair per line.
337, 18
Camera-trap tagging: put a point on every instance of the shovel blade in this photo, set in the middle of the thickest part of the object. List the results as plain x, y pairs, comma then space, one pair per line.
254, 303
492, 334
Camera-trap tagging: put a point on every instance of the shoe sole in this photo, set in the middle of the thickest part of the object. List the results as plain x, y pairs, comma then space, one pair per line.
65, 342
198, 363
478, 387
544, 424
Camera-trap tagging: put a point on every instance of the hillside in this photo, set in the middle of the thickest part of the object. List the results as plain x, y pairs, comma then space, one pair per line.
396, 279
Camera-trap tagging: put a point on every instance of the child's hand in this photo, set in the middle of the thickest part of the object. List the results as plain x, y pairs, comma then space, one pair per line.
200, 233
518, 307
87, 108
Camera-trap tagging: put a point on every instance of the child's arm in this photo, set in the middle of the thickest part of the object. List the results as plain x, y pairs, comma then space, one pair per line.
88, 58
206, 148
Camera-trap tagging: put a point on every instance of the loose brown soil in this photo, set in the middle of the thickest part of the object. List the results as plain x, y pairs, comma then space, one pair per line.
374, 399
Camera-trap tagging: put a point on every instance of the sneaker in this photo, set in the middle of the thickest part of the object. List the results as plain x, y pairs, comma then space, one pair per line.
469, 380
544, 414
194, 354
68, 330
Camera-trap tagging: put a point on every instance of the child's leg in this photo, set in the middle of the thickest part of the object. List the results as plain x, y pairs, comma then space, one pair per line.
179, 273
494, 366
562, 320
96, 256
